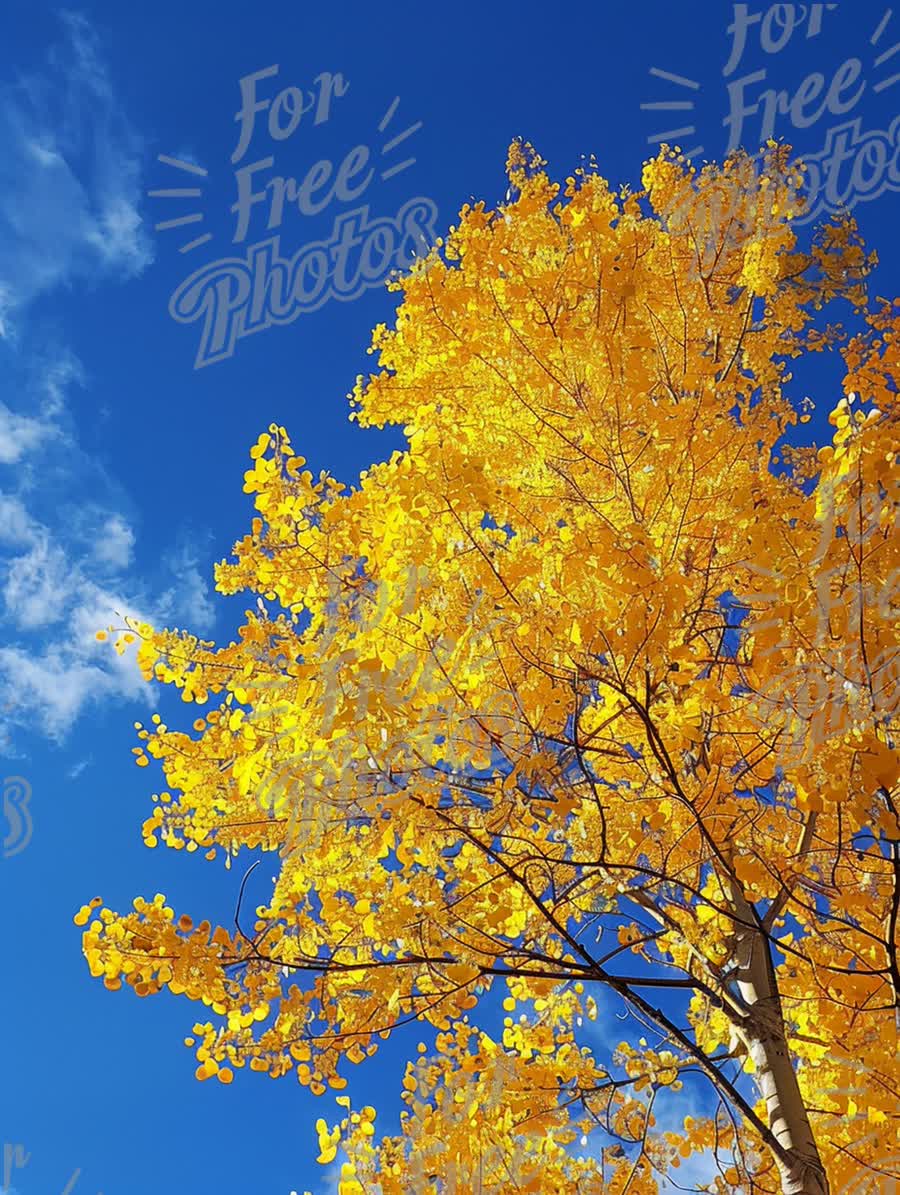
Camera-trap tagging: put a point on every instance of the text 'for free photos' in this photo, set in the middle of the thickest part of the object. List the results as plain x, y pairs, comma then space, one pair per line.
265, 285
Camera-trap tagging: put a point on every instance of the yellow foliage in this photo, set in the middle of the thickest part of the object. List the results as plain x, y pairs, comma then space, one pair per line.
485, 710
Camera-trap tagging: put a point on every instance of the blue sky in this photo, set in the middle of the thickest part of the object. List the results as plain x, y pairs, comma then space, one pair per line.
121, 462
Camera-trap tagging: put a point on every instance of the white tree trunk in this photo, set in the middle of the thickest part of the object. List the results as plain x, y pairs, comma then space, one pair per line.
765, 1037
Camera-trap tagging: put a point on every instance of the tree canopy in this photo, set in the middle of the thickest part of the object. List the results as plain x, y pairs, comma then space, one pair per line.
585, 701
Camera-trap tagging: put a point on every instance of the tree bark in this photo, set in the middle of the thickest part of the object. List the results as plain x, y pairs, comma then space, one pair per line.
765, 1036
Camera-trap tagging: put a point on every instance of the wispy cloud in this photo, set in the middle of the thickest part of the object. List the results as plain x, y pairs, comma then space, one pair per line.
16, 526
52, 668
58, 587
35, 583
698, 1101
190, 595
71, 557
113, 541
18, 433
69, 177
75, 771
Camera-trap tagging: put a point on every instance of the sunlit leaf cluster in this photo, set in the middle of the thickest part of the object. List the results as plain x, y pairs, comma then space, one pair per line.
520, 714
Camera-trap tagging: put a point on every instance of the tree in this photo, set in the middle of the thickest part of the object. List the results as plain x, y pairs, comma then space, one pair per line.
533, 713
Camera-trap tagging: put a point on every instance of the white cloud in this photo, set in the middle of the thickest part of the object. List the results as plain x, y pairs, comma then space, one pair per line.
52, 667
114, 542
699, 1169
35, 583
69, 191
190, 599
16, 527
76, 770
18, 433
50, 684
50, 679
56, 375
69, 178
